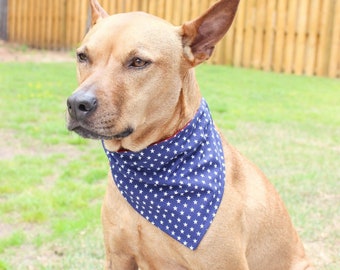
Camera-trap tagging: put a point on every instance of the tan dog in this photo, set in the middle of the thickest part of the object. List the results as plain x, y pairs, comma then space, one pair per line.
137, 88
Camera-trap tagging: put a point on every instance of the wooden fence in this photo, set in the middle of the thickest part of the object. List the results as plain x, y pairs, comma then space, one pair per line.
291, 36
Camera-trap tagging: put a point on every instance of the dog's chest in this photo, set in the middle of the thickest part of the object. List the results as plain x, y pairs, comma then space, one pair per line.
176, 184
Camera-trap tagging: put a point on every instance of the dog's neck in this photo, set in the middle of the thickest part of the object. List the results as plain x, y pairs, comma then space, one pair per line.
177, 184
187, 105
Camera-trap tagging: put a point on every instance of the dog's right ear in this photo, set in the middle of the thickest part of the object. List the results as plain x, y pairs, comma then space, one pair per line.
97, 12
200, 36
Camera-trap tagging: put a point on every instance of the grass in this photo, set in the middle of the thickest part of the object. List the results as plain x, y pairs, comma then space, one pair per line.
52, 182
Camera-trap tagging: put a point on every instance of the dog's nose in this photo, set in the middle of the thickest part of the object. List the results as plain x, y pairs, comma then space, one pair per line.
80, 105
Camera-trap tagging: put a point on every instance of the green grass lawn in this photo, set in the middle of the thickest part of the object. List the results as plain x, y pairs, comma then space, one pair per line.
52, 182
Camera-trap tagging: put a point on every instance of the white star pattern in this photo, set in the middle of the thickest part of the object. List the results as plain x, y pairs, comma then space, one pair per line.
176, 184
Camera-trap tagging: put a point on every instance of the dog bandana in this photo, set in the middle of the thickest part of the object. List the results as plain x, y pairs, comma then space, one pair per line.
176, 184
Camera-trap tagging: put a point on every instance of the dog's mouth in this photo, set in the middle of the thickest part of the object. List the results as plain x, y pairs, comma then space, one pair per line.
90, 134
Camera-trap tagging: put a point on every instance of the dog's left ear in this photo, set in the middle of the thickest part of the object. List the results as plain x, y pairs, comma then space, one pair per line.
201, 35
97, 11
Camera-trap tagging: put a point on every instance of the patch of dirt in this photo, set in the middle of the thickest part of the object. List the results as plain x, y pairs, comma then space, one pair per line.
12, 145
5, 230
30, 256
13, 52
319, 254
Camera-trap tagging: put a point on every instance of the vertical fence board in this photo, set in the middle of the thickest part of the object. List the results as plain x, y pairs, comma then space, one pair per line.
121, 6
290, 36
186, 8
24, 19
128, 5
153, 7
301, 26
11, 21
334, 58
161, 8
168, 11
248, 33
73, 23
135, 5
48, 38
48, 20
17, 17
259, 33
239, 30
43, 20
176, 15
18, 14
54, 24
312, 35
29, 22
110, 6
68, 21
43, 25
269, 35
321, 68
38, 21
145, 5
228, 46
281, 21
35, 30
59, 18
195, 9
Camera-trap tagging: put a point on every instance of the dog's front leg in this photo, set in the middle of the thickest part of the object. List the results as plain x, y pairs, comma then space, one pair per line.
119, 262
236, 263
118, 234
115, 258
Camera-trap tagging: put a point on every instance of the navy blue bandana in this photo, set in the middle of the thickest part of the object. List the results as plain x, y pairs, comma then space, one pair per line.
176, 184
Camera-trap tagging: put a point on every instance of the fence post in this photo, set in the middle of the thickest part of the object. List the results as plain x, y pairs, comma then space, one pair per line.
88, 20
3, 19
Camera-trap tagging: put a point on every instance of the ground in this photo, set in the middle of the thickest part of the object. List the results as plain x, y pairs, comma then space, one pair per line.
10, 52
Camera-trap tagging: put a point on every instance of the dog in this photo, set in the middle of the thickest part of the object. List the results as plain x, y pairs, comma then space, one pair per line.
178, 195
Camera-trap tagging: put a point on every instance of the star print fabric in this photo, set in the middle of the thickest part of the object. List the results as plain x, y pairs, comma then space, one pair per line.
176, 184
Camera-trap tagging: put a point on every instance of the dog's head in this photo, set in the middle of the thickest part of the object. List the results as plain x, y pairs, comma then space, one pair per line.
134, 73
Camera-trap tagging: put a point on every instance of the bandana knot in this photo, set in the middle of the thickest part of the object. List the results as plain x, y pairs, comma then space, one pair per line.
176, 184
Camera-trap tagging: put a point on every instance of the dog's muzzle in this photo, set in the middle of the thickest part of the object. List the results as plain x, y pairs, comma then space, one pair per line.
80, 106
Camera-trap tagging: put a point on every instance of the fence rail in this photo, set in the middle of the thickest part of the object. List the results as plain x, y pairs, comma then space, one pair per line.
290, 36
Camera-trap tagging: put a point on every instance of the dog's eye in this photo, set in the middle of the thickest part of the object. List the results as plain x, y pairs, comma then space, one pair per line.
138, 63
82, 57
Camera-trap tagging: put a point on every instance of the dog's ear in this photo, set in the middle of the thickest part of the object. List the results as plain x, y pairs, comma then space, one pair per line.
97, 12
201, 35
